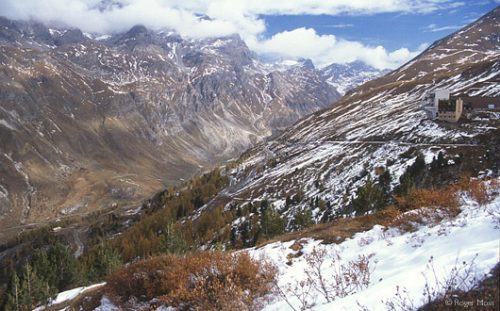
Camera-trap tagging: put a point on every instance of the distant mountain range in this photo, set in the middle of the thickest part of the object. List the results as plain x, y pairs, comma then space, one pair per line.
345, 77
88, 121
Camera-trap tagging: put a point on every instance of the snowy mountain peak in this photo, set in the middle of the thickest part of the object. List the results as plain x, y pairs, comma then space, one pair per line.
306, 63
345, 77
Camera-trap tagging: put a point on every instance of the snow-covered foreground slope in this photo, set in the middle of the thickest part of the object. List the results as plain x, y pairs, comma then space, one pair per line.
443, 251
397, 259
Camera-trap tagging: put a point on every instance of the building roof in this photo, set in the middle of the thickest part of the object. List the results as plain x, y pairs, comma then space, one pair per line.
479, 102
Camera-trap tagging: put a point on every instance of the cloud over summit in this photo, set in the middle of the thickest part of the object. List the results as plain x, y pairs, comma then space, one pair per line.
245, 17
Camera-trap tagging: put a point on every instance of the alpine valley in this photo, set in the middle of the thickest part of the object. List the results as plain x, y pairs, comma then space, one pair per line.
194, 176
88, 121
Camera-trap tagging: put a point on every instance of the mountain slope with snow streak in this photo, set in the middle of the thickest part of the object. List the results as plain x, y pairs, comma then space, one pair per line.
381, 124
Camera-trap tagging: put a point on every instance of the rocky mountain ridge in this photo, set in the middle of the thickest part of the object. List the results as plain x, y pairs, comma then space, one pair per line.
92, 121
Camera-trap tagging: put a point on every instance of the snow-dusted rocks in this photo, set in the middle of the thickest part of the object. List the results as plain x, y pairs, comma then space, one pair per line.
345, 77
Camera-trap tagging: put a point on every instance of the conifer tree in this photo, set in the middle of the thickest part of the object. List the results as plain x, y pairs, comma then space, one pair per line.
172, 240
13, 292
271, 223
409, 180
384, 181
369, 198
32, 289
64, 266
105, 260
44, 269
303, 219
264, 204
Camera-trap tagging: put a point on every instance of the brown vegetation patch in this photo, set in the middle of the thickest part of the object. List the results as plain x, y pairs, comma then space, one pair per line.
340, 229
445, 198
197, 281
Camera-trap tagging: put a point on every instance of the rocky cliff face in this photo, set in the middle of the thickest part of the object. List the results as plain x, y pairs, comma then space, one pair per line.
88, 121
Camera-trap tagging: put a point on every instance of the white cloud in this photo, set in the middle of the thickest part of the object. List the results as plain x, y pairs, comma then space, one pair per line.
325, 49
295, 7
436, 28
85, 15
231, 16
227, 15
339, 26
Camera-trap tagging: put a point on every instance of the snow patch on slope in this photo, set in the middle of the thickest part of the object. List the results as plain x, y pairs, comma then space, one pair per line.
69, 295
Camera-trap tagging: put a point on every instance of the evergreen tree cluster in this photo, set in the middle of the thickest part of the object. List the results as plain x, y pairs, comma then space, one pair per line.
51, 270
48, 272
410, 178
162, 230
369, 197
373, 195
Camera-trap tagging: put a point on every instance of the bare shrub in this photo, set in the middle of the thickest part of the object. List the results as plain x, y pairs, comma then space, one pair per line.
494, 186
426, 206
411, 220
402, 301
479, 192
462, 277
431, 206
328, 276
302, 291
477, 189
387, 214
202, 281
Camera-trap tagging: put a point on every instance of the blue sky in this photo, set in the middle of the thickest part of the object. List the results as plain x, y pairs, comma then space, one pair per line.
382, 33
392, 30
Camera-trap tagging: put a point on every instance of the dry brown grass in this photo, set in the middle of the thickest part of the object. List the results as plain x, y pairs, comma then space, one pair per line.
430, 206
411, 220
340, 229
200, 281
444, 198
